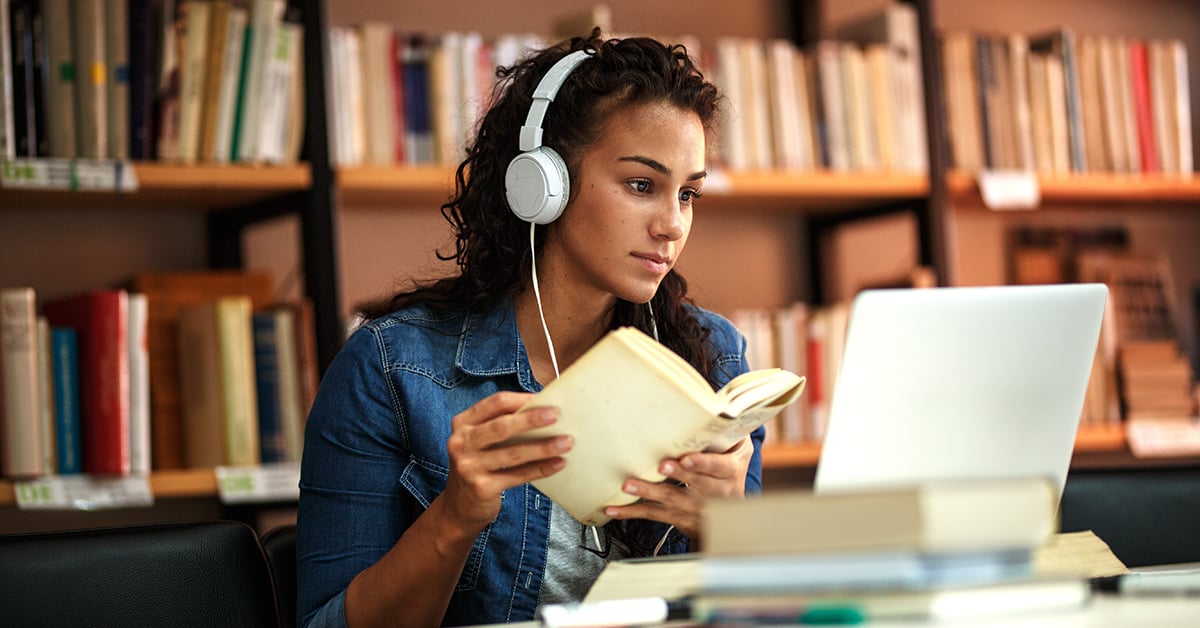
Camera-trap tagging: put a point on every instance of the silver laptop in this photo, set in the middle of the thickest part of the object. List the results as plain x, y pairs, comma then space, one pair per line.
960, 383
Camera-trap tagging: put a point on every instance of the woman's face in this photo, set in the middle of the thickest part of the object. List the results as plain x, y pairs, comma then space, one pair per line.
632, 210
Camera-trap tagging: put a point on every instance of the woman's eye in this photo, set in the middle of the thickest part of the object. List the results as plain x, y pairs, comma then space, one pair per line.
641, 186
689, 196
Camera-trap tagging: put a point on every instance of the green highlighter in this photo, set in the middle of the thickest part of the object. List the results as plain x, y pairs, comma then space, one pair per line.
832, 615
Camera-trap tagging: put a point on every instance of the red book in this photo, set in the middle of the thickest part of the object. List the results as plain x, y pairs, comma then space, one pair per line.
101, 320
1139, 73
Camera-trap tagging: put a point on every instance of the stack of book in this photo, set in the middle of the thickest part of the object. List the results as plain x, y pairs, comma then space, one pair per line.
937, 551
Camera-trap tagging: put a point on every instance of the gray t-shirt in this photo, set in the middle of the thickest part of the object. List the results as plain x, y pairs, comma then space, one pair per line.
571, 569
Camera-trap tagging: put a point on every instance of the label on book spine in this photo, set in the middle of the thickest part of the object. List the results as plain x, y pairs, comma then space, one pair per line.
83, 492
264, 483
1005, 190
69, 174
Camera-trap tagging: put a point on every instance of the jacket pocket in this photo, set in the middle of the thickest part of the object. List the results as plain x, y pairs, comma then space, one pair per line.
425, 481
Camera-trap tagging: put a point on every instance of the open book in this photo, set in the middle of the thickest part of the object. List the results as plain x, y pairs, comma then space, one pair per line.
629, 402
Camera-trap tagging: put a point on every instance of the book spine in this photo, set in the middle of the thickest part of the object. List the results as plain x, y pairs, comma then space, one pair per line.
139, 384
67, 430
20, 380
8, 148
272, 439
142, 44
60, 79
236, 363
92, 80
116, 45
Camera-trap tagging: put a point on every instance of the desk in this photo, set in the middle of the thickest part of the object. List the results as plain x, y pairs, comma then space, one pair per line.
1105, 611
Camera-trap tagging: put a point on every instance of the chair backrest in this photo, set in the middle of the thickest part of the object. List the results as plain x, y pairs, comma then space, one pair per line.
210, 573
1147, 516
280, 545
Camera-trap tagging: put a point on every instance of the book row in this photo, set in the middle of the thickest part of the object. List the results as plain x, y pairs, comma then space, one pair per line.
173, 80
119, 382
1063, 103
851, 104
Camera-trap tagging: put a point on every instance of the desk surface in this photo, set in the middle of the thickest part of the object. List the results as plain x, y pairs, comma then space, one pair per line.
1105, 611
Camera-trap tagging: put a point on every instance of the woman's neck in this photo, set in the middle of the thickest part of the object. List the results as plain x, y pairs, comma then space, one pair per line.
575, 325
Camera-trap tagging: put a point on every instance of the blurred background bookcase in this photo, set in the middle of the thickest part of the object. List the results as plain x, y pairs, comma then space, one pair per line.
355, 233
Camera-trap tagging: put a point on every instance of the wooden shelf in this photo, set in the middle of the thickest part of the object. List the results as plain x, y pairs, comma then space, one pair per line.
1090, 190
173, 186
1089, 440
429, 186
164, 485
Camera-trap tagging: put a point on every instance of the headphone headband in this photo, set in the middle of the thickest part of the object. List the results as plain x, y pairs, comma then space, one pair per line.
543, 95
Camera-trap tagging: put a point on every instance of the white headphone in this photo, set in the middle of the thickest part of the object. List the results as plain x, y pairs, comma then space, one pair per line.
536, 182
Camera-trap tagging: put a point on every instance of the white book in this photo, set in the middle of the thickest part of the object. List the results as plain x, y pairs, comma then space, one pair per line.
1039, 115
1018, 49
754, 75
139, 385
1183, 105
445, 97
734, 148
808, 151
231, 71
473, 88
276, 99
1113, 124
1060, 125
380, 101
629, 402
354, 120
834, 118
193, 65
265, 16
20, 384
784, 104
8, 139
1161, 95
885, 114
859, 110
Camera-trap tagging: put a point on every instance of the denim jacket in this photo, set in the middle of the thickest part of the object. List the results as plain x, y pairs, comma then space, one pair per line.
375, 457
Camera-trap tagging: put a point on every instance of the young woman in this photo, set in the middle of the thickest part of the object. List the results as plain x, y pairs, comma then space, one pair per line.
412, 511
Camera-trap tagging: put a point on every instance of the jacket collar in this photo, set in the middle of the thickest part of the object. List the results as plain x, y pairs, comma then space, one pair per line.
490, 345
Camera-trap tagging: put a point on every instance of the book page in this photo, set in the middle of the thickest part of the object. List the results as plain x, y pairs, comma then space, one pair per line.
1076, 554
668, 577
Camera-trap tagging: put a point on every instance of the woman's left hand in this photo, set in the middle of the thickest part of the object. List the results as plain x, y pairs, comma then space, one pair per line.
702, 474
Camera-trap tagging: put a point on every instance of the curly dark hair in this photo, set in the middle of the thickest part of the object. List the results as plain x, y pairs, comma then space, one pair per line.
492, 244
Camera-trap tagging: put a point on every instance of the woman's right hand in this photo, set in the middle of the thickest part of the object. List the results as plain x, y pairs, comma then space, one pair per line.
482, 468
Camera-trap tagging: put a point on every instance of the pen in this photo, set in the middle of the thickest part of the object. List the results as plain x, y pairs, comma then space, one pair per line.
1167, 582
629, 612
818, 615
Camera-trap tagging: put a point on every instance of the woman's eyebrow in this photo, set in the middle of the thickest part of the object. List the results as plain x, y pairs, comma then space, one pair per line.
659, 167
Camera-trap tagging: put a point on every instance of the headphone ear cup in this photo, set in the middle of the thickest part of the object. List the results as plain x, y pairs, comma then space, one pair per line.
536, 185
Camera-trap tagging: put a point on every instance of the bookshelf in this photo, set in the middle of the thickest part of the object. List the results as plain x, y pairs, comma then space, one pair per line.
1159, 192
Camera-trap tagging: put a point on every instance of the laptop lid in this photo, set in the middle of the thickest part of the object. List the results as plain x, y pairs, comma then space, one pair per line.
960, 383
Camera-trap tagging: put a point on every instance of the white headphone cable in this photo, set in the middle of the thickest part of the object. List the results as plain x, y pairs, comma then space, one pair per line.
537, 294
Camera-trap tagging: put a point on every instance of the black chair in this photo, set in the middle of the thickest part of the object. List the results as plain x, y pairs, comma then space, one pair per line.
1147, 516
280, 546
210, 573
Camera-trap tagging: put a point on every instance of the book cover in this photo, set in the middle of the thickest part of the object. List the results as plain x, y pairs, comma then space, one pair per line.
20, 384
101, 319
216, 368
64, 345
939, 517
629, 384
230, 76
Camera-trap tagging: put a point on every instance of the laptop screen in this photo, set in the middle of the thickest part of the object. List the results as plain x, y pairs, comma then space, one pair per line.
960, 383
